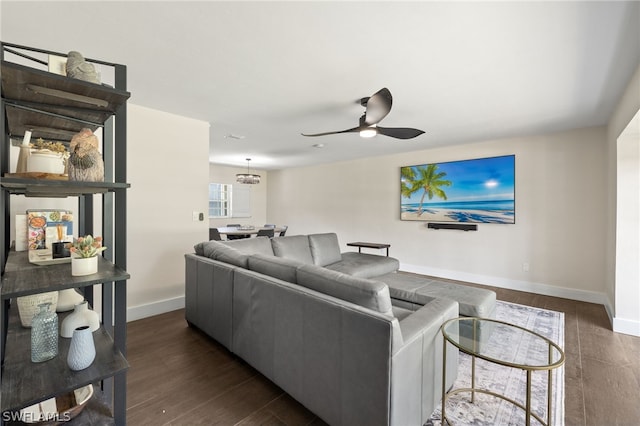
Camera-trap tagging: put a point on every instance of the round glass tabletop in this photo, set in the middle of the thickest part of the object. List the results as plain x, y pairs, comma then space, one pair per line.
540, 353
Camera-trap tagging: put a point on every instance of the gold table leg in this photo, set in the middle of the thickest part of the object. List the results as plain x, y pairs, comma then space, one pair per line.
444, 379
528, 409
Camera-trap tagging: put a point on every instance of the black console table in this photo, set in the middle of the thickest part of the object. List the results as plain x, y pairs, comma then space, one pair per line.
360, 244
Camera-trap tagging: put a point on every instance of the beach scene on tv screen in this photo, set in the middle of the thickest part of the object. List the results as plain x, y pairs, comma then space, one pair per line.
476, 191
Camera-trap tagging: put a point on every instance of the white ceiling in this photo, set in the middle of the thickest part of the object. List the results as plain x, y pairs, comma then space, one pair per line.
267, 71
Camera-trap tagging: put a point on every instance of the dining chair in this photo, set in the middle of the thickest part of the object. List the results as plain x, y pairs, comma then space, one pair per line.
214, 234
265, 233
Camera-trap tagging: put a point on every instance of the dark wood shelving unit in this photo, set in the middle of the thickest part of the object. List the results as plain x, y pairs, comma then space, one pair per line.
56, 188
22, 278
26, 383
55, 107
39, 100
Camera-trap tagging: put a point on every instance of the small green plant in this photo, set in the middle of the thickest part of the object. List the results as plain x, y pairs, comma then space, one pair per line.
87, 246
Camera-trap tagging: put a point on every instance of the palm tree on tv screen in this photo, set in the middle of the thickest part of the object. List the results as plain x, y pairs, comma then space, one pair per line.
431, 181
407, 175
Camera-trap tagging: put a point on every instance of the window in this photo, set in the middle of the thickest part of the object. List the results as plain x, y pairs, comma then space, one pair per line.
219, 200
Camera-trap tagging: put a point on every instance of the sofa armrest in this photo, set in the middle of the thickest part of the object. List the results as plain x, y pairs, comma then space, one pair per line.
208, 296
427, 320
417, 365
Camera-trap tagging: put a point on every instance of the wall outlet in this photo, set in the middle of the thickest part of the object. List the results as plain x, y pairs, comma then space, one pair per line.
195, 216
525, 267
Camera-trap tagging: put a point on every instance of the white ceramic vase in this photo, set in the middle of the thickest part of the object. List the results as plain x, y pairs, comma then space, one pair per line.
84, 266
28, 305
68, 299
82, 350
80, 316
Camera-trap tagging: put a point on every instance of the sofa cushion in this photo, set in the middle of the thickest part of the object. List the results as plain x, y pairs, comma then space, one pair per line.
219, 251
251, 245
473, 301
325, 249
295, 247
364, 265
199, 248
370, 294
207, 248
277, 267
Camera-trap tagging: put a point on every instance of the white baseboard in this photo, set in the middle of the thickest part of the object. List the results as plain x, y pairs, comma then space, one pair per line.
155, 308
621, 325
531, 287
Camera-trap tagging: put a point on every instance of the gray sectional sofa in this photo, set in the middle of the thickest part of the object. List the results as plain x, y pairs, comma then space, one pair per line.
323, 326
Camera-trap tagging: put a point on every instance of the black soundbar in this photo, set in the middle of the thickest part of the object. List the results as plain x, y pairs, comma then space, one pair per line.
459, 226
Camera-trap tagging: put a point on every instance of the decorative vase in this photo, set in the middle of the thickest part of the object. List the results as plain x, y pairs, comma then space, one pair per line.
44, 334
28, 305
80, 316
68, 299
82, 351
84, 266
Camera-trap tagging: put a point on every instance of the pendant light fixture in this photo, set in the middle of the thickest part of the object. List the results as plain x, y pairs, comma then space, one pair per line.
248, 178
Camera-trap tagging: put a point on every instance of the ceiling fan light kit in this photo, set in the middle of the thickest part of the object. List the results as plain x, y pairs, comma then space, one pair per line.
248, 178
369, 132
377, 107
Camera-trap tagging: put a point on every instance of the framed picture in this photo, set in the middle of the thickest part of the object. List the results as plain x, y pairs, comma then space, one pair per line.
44, 228
474, 191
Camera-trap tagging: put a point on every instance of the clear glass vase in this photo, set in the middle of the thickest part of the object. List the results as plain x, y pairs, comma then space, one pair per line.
44, 334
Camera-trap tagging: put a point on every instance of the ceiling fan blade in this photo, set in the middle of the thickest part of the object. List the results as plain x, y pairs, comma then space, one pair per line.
355, 129
399, 132
378, 106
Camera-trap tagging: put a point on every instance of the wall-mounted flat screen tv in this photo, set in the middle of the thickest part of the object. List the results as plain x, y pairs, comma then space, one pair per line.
481, 190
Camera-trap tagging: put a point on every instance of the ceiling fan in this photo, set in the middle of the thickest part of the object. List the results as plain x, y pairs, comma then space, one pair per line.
377, 107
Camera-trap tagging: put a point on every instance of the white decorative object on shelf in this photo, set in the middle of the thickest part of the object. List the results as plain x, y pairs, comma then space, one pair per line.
82, 350
25, 152
68, 299
28, 305
84, 265
45, 162
80, 316
21, 232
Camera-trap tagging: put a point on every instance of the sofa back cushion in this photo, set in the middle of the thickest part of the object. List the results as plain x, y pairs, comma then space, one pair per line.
368, 293
251, 245
219, 251
199, 248
295, 247
325, 249
277, 267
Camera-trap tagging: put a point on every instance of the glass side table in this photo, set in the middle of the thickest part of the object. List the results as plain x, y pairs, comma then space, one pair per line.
547, 357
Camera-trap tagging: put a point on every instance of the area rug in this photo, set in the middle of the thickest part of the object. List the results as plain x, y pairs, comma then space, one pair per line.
491, 411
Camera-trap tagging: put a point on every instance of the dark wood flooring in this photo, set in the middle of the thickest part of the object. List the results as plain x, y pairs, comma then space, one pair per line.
179, 376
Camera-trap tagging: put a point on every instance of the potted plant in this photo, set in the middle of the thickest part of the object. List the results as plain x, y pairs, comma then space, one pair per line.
84, 255
47, 157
